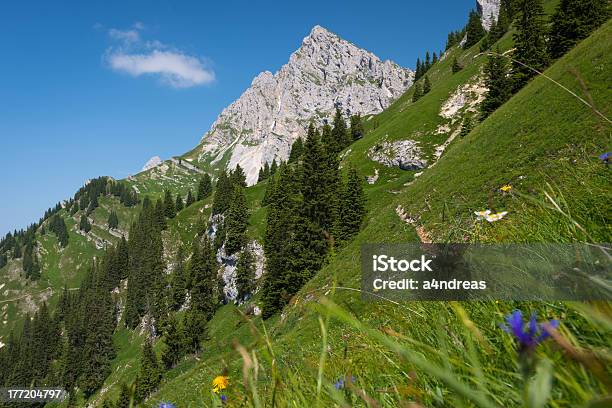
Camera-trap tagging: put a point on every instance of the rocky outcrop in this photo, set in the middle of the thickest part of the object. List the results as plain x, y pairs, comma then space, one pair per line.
325, 72
489, 11
404, 154
153, 162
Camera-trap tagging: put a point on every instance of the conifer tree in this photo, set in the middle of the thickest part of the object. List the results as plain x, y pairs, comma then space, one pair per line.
352, 206
179, 205
356, 130
273, 167
245, 274
204, 187
179, 281
434, 59
418, 92
281, 218
126, 397
236, 222
296, 150
418, 71
237, 177
58, 226
159, 215
339, 132
223, 194
150, 372
485, 44
426, 85
203, 275
427, 61
84, 224
474, 30
456, 67
17, 250
190, 199
573, 21
169, 205
466, 126
529, 42
499, 86
175, 342
113, 220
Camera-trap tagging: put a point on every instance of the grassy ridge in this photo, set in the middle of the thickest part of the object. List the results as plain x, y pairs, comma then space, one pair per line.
554, 144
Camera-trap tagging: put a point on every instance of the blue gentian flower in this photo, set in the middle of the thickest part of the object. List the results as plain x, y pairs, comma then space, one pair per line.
605, 156
340, 383
223, 398
166, 405
527, 334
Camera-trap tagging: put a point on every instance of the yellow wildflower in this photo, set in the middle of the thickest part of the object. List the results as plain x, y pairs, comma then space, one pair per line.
506, 188
220, 383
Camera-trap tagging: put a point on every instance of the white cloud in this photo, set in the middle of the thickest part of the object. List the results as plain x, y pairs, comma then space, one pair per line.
126, 36
175, 69
136, 57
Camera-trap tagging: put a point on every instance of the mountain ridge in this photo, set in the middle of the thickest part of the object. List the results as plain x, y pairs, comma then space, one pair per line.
325, 72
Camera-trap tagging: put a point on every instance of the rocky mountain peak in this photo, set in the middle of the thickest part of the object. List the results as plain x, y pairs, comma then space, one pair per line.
324, 73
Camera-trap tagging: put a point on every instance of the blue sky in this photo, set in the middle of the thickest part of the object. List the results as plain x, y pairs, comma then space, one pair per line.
97, 88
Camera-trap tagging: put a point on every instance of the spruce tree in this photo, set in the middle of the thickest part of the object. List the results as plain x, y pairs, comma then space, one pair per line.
418, 92
434, 59
529, 41
474, 29
150, 372
353, 208
126, 397
427, 61
273, 167
223, 194
296, 150
573, 21
179, 281
237, 177
190, 199
283, 204
179, 205
356, 130
418, 71
203, 276
204, 187
159, 215
426, 85
245, 274
169, 205
236, 222
456, 67
113, 220
174, 341
84, 224
339, 132
466, 126
499, 86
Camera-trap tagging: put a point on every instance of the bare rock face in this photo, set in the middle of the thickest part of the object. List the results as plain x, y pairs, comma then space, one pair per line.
325, 72
404, 154
153, 162
489, 11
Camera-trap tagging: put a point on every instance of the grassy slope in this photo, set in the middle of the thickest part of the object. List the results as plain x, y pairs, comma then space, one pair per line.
555, 141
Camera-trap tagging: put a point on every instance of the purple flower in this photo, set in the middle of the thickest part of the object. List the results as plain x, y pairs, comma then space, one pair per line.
340, 383
527, 334
223, 398
166, 405
604, 157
